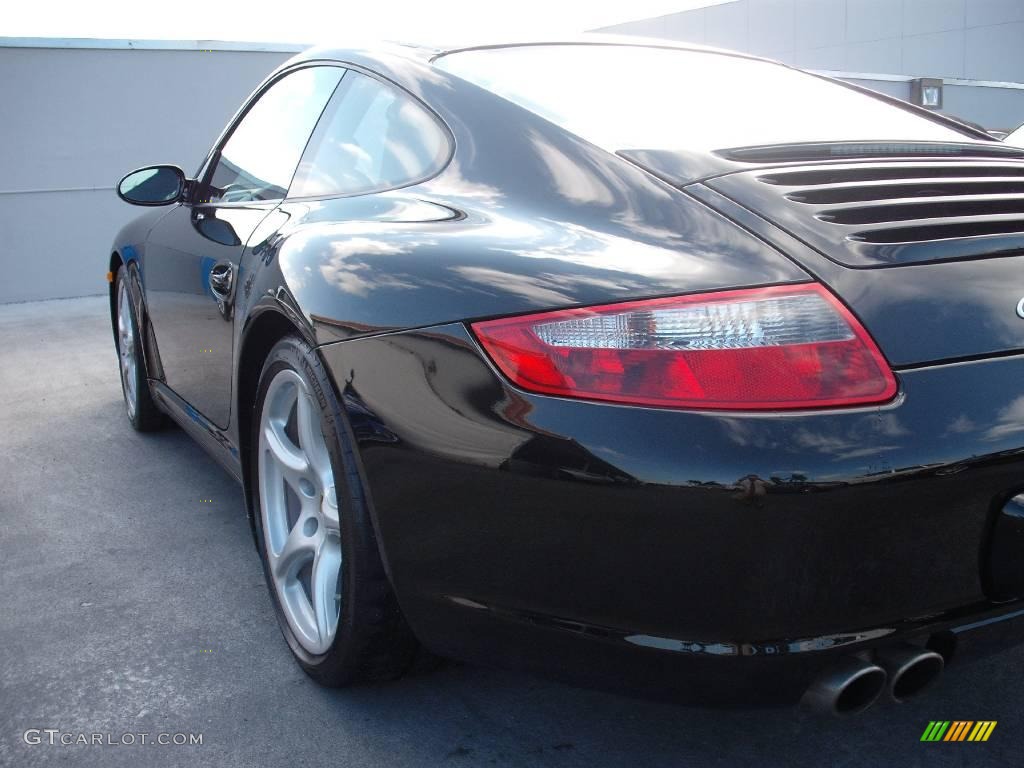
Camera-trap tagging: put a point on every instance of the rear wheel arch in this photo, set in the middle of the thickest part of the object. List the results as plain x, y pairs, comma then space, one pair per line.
373, 641
263, 332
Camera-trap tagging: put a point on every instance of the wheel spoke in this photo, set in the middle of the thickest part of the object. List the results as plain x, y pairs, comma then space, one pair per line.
329, 511
122, 312
298, 547
311, 438
284, 452
324, 588
126, 348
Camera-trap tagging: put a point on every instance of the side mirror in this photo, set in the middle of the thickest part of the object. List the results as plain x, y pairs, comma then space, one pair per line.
153, 185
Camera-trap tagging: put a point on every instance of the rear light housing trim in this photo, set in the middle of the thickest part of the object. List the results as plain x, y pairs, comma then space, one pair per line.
785, 347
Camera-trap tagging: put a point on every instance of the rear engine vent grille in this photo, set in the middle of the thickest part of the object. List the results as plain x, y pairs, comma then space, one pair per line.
934, 188
924, 232
959, 207
975, 208
839, 174
813, 152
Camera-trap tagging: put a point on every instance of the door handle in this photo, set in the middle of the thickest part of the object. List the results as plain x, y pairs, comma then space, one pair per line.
222, 286
222, 280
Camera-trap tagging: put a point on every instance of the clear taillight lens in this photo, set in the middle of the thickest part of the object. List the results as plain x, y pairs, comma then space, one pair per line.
753, 349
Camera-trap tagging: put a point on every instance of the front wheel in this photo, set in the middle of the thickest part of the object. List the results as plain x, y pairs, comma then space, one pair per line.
143, 412
333, 600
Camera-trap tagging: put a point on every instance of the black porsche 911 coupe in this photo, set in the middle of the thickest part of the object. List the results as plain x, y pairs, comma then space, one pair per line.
651, 367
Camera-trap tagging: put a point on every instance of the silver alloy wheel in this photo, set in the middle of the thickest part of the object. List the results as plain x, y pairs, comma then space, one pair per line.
126, 348
299, 509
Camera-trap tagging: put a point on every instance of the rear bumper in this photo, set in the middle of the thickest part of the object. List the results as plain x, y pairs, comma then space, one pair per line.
718, 674
713, 557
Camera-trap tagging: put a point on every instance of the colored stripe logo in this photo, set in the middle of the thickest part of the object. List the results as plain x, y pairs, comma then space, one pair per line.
959, 730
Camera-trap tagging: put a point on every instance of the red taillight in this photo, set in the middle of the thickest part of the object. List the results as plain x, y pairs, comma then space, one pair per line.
791, 346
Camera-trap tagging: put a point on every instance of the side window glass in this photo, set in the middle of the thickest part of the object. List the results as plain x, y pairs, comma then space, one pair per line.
372, 137
260, 155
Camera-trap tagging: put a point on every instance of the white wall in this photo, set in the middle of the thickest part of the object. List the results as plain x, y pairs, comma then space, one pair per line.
73, 120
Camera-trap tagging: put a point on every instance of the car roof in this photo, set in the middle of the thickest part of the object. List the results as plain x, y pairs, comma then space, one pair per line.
631, 41
428, 52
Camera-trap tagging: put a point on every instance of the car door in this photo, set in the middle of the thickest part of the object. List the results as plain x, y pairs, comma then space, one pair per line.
191, 264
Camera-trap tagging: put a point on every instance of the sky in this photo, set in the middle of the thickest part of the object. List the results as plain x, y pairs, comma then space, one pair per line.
313, 21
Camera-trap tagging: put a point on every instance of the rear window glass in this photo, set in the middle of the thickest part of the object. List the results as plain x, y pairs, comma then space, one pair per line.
633, 97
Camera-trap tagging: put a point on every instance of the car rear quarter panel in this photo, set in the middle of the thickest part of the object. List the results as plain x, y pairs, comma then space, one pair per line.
729, 528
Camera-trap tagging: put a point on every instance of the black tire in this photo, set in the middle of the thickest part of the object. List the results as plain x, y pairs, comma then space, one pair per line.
146, 416
373, 641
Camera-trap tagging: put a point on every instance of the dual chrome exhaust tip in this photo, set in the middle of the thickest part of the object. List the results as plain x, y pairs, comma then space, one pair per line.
910, 669
854, 683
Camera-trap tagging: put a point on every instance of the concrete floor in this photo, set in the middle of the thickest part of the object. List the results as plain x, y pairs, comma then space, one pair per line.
128, 605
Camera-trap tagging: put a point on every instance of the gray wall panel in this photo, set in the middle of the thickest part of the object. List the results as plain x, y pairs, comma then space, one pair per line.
982, 12
820, 23
925, 16
993, 52
80, 118
939, 54
831, 57
645, 28
687, 26
874, 56
901, 90
57, 244
725, 26
873, 19
772, 26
